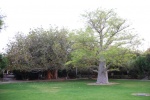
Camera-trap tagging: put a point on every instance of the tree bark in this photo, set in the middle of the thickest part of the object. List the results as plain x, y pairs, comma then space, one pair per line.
56, 74
102, 77
49, 75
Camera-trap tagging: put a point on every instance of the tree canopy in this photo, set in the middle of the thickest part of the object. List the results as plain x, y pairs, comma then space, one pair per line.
40, 49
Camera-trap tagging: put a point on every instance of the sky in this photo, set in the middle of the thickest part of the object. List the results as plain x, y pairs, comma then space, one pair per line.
23, 15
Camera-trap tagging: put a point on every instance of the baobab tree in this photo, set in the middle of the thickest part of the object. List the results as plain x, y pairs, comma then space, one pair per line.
102, 41
110, 32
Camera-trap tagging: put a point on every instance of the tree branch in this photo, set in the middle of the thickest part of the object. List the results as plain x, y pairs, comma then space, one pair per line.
95, 71
108, 66
110, 39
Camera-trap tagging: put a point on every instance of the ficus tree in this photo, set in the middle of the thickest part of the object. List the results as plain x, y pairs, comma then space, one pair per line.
39, 50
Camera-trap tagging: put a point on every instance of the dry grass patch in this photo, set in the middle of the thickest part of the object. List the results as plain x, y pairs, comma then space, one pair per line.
102, 84
141, 94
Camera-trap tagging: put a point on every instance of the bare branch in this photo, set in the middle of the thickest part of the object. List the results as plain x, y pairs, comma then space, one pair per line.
95, 71
108, 66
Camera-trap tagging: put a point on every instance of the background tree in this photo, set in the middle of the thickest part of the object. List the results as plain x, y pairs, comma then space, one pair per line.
39, 50
110, 31
140, 65
3, 62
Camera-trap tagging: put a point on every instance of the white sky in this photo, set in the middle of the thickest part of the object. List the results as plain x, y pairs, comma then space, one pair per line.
23, 15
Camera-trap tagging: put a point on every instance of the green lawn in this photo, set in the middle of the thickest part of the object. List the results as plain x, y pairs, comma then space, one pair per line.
74, 90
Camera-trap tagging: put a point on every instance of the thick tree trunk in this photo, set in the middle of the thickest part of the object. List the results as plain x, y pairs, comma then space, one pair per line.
52, 74
49, 75
102, 77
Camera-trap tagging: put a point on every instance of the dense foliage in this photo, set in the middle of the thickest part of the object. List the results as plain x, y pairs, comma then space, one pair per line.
40, 49
3, 62
140, 66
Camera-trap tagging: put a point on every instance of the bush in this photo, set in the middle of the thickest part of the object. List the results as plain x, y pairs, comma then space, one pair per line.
141, 66
3, 62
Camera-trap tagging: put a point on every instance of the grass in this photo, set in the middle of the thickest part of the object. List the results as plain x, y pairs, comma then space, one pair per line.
74, 90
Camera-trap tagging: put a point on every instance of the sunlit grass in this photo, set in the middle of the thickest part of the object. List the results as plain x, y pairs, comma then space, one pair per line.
74, 90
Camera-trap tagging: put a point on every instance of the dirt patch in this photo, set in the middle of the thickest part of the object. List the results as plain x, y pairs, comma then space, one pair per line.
102, 84
141, 94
